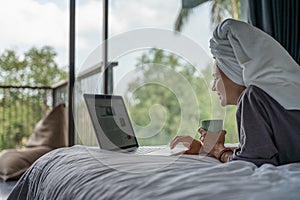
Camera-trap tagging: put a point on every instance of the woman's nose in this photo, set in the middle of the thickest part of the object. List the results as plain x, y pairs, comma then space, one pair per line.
213, 88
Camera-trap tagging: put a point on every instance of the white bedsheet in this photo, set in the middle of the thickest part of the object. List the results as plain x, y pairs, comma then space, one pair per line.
90, 173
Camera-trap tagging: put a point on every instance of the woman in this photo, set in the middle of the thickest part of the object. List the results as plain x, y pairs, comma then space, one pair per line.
254, 72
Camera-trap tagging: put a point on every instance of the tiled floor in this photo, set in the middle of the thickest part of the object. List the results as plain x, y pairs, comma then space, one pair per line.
5, 188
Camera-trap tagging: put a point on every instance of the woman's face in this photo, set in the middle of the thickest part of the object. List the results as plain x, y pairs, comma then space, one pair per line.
227, 90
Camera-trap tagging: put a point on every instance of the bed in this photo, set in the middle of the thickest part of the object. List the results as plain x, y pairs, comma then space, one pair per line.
81, 172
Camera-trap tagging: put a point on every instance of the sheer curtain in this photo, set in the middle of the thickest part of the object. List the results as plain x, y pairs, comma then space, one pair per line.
280, 19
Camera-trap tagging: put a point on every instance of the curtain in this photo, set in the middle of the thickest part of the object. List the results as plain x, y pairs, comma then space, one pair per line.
280, 19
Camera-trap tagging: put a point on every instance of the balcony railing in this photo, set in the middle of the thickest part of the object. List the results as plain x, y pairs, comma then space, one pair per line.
21, 108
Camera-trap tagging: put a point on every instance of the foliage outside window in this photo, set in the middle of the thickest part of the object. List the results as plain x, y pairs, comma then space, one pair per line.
22, 108
158, 106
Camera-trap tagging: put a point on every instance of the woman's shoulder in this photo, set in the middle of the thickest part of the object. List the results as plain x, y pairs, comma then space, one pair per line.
251, 92
256, 95
254, 90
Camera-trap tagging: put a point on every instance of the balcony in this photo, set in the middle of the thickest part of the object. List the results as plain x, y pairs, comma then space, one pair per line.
23, 106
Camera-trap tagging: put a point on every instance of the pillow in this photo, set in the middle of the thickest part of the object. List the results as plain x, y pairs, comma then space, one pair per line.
14, 162
49, 133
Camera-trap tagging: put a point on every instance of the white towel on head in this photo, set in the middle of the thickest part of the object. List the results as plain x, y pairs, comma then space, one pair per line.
249, 56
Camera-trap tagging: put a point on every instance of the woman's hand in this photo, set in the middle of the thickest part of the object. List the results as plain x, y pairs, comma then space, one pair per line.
189, 142
212, 143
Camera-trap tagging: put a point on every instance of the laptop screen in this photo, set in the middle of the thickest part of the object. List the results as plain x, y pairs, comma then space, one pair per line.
111, 121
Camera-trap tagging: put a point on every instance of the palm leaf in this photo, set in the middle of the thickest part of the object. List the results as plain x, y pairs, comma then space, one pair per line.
186, 11
220, 10
192, 3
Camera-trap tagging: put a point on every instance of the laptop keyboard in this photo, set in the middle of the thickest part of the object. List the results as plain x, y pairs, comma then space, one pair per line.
145, 150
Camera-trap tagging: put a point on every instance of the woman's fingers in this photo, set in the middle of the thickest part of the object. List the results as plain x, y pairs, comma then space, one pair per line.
189, 142
202, 131
222, 132
194, 148
212, 139
203, 134
174, 141
186, 140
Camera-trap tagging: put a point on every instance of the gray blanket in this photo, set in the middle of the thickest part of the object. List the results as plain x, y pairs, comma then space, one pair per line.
90, 173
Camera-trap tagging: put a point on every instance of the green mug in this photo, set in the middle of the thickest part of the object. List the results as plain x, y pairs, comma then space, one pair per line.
212, 125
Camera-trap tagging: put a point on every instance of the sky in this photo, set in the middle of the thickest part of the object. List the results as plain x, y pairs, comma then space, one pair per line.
35, 23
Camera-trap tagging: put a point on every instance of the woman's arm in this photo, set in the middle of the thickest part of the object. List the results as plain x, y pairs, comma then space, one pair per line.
213, 144
189, 142
210, 143
223, 153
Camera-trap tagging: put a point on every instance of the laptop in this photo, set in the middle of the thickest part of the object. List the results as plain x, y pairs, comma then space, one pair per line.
114, 129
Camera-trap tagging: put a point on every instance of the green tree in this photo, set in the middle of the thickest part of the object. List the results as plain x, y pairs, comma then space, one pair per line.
155, 102
220, 9
36, 68
22, 108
